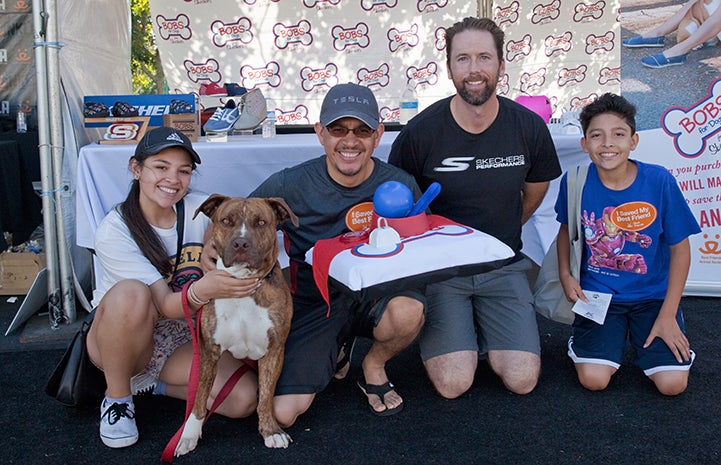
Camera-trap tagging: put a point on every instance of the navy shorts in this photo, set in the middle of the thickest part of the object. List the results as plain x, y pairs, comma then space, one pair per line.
311, 350
605, 344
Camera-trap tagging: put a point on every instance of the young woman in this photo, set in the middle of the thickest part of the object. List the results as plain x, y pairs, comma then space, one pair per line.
148, 247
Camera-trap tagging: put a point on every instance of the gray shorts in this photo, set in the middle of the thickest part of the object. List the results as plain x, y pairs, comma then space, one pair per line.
487, 311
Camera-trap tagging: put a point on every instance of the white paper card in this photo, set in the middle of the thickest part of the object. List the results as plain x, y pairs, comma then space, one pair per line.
596, 308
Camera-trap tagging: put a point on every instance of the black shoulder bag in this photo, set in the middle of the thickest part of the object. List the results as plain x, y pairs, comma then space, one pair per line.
76, 380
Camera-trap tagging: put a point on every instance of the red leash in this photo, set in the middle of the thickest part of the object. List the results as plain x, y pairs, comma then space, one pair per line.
194, 378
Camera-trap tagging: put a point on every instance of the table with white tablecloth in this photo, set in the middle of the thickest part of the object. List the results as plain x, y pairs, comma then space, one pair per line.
239, 165
234, 168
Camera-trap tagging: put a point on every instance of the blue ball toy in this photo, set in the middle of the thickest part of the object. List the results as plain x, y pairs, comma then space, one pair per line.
393, 199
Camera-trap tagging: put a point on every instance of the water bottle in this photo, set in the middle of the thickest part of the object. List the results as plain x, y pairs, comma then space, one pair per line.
269, 122
22, 125
409, 103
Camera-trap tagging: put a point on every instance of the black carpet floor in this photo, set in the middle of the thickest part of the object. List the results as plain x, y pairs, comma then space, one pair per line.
559, 423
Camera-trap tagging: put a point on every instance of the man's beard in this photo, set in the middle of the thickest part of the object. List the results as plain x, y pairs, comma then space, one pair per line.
348, 171
477, 97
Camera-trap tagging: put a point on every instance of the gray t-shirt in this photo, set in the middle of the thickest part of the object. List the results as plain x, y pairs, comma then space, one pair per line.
324, 208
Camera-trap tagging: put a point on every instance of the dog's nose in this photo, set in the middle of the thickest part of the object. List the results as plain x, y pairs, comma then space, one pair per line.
240, 244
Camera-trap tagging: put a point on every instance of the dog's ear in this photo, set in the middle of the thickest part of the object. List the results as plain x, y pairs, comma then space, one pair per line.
282, 210
210, 205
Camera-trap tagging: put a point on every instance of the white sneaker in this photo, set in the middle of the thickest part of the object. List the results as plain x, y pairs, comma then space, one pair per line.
117, 424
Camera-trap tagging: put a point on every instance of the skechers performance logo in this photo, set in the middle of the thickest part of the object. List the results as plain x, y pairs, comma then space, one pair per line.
452, 164
500, 162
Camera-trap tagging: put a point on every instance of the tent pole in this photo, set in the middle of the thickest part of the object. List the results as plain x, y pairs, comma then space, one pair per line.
46, 169
485, 9
58, 151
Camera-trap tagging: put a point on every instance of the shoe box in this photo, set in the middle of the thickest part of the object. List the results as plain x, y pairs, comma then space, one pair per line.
187, 123
18, 271
123, 119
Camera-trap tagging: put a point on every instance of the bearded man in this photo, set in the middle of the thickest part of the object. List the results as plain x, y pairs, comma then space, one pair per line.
494, 159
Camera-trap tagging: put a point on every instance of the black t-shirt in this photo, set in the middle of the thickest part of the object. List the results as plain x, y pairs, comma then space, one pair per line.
481, 175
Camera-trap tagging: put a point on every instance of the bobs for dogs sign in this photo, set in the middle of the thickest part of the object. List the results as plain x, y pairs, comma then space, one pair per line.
697, 126
689, 146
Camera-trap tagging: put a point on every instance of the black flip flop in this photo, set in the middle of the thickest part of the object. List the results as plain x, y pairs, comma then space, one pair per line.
347, 349
380, 391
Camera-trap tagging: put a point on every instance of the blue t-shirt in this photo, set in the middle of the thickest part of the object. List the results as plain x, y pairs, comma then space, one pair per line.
628, 233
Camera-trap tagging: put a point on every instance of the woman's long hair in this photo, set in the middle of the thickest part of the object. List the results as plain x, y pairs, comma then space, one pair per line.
142, 232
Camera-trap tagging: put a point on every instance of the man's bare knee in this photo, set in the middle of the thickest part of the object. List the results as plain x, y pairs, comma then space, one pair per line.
238, 404
403, 317
518, 370
593, 383
287, 408
451, 388
521, 383
452, 374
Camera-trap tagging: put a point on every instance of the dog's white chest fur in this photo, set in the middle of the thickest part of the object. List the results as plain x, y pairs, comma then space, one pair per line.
242, 327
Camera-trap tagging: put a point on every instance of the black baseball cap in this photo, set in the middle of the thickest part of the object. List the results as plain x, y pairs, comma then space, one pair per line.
161, 138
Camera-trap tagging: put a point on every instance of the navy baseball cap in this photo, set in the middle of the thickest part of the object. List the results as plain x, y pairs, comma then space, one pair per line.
161, 138
349, 100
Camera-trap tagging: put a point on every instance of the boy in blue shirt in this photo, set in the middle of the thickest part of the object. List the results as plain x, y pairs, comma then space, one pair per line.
636, 224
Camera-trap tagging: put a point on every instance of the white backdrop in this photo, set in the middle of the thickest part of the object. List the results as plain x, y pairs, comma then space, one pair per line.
567, 51
88, 67
294, 50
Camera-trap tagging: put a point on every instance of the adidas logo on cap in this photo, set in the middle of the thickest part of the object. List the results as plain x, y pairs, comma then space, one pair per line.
175, 137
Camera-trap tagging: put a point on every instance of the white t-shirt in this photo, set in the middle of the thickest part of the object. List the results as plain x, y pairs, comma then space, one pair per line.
121, 258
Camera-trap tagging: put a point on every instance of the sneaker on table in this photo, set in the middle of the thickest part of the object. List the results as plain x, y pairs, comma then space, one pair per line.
124, 109
117, 424
96, 110
234, 89
570, 123
223, 119
212, 89
178, 107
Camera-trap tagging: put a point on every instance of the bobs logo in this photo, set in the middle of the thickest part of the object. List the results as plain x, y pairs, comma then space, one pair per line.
692, 127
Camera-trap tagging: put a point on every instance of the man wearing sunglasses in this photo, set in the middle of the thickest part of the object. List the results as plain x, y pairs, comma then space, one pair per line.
333, 195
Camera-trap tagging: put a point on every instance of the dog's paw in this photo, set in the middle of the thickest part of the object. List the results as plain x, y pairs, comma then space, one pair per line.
192, 431
278, 440
185, 445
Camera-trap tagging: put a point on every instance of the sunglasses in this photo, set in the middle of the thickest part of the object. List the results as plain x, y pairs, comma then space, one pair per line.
362, 132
